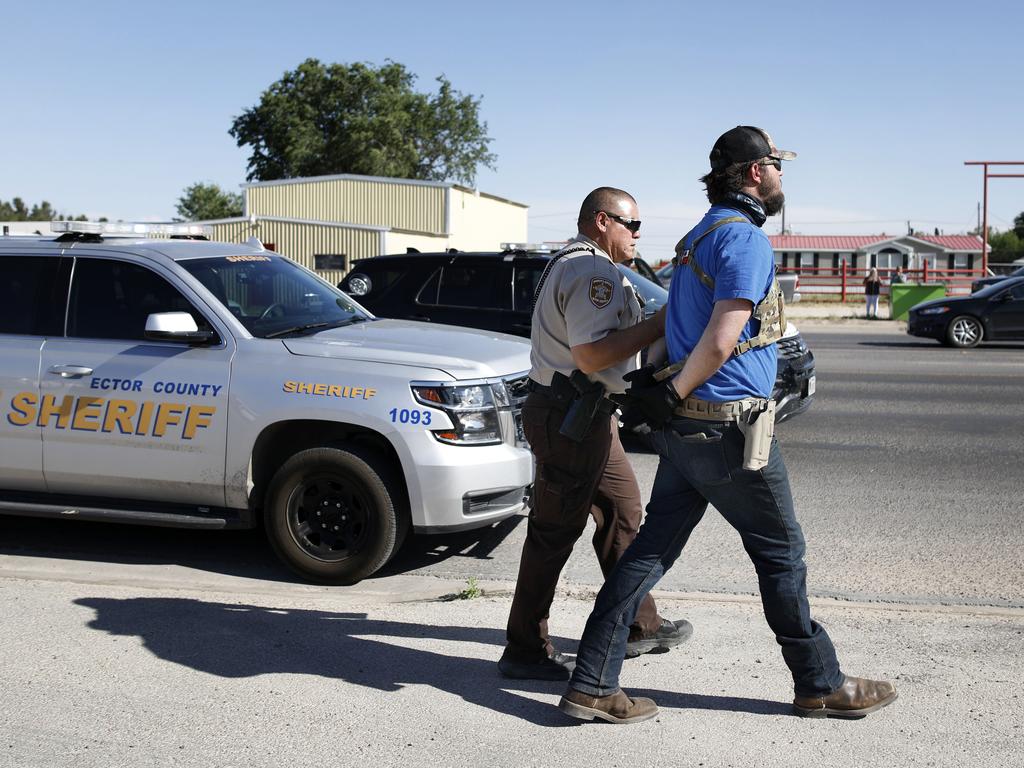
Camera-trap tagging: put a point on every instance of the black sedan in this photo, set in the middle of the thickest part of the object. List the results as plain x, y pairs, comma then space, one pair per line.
984, 282
994, 313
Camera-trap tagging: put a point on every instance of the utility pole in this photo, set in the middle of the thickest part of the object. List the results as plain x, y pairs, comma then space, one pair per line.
984, 197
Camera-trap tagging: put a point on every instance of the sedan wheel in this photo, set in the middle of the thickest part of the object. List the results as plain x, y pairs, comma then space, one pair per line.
964, 331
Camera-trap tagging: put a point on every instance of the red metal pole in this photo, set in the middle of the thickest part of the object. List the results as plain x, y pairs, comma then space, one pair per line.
843, 295
984, 227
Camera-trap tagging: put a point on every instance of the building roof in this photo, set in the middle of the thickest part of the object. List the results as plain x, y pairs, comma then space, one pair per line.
969, 243
381, 180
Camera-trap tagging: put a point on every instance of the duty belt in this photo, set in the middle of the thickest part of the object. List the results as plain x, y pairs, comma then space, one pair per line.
706, 410
566, 394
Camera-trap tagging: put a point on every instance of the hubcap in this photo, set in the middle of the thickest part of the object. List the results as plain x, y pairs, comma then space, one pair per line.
965, 331
329, 518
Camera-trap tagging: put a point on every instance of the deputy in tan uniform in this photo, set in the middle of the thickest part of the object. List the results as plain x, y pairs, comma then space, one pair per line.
588, 319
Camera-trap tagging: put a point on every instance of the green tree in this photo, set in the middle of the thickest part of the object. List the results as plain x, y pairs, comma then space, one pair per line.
357, 118
1006, 246
208, 201
1018, 225
16, 210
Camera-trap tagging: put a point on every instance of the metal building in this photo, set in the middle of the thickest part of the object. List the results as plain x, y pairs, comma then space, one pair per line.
328, 222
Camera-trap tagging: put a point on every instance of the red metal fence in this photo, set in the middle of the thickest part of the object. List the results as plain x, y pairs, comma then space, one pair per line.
842, 282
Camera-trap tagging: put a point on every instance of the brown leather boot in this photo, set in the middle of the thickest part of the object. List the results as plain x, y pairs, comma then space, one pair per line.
856, 697
616, 708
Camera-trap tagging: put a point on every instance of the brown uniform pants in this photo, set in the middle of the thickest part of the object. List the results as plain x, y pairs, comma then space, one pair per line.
574, 481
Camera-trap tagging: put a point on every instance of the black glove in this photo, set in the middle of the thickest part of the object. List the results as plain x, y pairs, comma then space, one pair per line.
656, 400
642, 377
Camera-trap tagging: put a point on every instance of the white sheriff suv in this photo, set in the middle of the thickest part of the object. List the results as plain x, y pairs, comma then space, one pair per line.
176, 382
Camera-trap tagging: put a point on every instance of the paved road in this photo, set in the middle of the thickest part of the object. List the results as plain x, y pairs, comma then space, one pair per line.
906, 473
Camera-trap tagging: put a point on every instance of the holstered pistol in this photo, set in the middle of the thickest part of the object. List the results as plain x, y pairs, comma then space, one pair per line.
758, 428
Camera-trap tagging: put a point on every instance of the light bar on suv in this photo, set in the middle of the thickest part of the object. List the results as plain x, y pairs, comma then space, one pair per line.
131, 228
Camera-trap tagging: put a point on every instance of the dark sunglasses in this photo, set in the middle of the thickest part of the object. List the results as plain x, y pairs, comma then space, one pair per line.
773, 160
633, 225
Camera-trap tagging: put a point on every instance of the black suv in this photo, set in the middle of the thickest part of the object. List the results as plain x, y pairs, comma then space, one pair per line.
494, 291
985, 282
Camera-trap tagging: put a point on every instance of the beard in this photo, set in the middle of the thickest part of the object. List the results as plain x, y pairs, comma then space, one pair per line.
771, 196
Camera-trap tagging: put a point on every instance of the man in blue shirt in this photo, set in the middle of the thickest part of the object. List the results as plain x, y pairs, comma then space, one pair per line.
713, 429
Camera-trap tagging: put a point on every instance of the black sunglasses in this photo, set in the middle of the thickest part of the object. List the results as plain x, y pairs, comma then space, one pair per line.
773, 160
633, 225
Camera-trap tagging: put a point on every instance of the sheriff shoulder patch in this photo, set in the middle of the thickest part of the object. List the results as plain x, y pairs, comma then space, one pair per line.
600, 292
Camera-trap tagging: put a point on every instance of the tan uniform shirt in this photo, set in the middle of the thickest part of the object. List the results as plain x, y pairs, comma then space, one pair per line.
583, 299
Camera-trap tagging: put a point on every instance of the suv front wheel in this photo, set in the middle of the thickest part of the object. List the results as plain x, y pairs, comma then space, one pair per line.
330, 516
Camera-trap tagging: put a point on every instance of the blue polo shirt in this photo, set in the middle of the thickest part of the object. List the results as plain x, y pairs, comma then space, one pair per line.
739, 258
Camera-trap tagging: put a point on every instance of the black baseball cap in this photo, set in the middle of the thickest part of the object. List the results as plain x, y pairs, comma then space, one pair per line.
743, 144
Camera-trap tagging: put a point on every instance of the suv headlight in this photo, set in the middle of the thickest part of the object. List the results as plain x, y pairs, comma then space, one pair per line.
472, 408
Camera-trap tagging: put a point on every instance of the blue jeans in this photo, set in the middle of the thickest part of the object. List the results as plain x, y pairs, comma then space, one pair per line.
702, 462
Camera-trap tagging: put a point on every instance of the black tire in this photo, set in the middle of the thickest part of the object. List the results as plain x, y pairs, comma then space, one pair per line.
331, 514
964, 331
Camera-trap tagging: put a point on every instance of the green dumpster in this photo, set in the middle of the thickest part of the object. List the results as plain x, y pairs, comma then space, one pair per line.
905, 295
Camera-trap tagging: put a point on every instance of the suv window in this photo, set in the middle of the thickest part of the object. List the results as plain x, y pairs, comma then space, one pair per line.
112, 299
465, 285
525, 285
33, 290
271, 295
382, 277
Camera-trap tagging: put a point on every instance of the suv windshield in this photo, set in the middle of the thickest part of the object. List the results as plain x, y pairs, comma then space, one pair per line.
271, 296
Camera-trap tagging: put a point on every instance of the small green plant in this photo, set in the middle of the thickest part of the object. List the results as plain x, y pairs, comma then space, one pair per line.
471, 591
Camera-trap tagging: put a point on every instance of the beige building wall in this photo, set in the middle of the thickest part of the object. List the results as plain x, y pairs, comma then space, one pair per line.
481, 222
399, 242
303, 240
367, 200
362, 216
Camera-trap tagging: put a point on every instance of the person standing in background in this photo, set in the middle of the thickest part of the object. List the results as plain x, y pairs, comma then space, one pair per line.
872, 287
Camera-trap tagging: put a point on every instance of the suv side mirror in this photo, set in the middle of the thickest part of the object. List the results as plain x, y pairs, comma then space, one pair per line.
176, 326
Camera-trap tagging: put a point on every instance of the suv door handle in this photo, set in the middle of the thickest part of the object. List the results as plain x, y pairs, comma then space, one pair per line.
420, 318
70, 371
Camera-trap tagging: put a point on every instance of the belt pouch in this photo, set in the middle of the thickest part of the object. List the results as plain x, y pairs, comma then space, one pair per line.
758, 428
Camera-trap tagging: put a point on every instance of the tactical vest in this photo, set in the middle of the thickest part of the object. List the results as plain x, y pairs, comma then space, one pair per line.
771, 310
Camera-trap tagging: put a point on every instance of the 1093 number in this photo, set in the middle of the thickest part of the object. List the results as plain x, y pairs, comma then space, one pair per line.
407, 416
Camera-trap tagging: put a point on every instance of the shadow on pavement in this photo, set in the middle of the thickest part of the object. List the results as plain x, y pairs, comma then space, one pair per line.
423, 550
244, 553
680, 700
238, 641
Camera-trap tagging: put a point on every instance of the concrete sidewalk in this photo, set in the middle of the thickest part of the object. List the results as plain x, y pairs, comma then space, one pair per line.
835, 311
395, 672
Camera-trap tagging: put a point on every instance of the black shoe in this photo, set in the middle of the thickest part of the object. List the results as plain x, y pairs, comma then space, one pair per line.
556, 667
668, 635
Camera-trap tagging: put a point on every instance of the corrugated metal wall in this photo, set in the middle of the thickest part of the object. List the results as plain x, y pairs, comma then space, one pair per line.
416, 207
302, 242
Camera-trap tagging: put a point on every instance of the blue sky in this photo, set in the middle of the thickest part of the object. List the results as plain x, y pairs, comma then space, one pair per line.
113, 108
